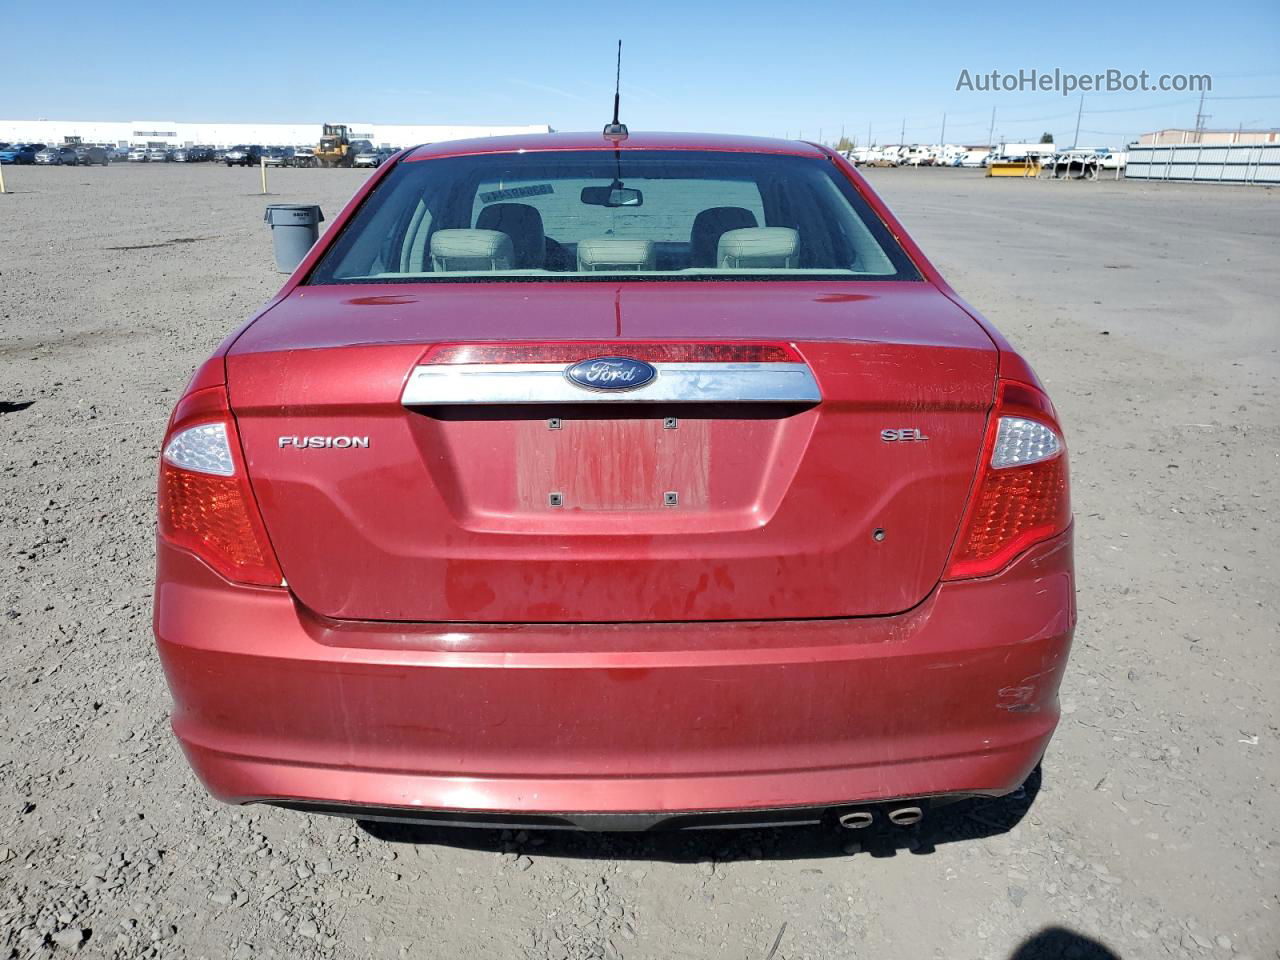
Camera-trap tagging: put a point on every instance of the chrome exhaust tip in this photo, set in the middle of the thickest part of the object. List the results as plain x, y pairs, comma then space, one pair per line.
905, 816
856, 819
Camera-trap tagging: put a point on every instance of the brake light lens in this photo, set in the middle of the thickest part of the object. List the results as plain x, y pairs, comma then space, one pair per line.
205, 503
1022, 494
651, 351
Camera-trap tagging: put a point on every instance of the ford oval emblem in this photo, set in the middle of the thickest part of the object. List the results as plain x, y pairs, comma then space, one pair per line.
611, 373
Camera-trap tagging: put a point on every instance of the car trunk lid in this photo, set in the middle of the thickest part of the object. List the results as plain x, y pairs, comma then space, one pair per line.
802, 451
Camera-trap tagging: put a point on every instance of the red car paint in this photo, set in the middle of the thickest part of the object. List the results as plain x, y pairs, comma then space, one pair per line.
822, 624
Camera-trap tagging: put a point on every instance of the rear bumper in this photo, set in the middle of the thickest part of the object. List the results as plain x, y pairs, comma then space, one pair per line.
957, 696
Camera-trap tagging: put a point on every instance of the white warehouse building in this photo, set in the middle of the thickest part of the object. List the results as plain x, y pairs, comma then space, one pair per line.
169, 133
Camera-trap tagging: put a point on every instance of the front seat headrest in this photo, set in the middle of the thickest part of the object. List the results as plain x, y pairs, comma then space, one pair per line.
523, 224
466, 250
768, 247
709, 226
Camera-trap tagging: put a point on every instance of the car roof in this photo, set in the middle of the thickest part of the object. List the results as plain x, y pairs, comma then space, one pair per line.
597, 141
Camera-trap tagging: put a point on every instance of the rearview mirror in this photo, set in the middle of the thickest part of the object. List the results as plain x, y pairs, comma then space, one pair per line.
612, 196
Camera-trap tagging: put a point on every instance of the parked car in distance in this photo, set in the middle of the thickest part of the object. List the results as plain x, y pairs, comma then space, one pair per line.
1114, 161
23, 153
472, 524
138, 154
373, 158
90, 154
302, 156
218, 155
277, 156
58, 156
243, 156
157, 155
192, 154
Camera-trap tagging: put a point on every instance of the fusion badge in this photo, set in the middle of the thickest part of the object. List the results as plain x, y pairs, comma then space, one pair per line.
333, 443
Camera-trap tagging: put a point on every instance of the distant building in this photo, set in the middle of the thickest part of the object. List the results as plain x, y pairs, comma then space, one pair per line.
172, 134
1175, 137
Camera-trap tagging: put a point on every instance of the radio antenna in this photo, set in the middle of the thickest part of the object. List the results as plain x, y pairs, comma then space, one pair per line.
616, 129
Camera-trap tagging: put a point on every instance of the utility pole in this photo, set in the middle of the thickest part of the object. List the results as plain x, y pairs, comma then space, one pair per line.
1075, 141
902, 137
868, 133
992, 130
1201, 117
943, 139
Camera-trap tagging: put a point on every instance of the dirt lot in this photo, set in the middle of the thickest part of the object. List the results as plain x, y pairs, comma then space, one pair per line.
1149, 310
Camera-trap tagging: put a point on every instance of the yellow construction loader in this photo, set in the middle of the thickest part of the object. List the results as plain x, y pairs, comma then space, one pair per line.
334, 149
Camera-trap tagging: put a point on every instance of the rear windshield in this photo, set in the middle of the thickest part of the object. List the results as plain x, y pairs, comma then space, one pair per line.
583, 215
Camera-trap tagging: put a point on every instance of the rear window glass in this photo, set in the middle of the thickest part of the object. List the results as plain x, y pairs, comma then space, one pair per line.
583, 215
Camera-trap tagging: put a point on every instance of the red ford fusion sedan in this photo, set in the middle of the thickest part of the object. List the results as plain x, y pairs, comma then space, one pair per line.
614, 482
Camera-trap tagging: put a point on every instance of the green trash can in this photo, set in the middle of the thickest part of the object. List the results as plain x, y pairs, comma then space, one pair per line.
294, 229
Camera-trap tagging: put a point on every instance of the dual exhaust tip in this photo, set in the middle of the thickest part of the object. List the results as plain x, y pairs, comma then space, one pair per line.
898, 816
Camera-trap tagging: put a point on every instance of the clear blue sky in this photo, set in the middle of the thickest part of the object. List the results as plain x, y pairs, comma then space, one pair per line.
771, 68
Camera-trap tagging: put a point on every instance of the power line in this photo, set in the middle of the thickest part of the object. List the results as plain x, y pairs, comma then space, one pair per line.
1163, 105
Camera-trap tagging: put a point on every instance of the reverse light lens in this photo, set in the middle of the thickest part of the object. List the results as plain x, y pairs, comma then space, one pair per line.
1020, 441
203, 449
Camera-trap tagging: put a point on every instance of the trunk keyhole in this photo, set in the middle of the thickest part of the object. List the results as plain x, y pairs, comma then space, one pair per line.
878, 534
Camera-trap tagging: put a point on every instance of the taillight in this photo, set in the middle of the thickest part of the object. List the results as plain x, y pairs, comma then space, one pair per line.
205, 504
1021, 496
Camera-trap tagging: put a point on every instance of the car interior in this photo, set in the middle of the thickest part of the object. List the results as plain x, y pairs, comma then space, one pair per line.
707, 217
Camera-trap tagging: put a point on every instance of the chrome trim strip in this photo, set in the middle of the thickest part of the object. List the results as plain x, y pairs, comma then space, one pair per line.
517, 383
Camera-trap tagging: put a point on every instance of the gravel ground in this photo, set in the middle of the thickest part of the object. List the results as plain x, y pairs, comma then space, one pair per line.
1149, 310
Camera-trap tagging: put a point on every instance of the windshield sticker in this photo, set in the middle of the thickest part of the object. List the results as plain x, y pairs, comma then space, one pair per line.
517, 193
